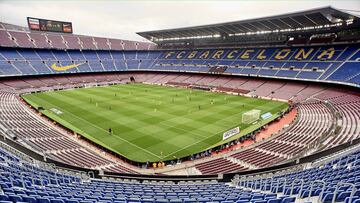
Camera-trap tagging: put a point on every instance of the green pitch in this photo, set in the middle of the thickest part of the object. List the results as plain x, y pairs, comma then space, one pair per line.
150, 122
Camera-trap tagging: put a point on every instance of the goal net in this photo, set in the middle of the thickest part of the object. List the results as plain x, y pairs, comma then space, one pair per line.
250, 116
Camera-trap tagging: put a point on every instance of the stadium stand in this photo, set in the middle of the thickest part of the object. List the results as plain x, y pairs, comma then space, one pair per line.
335, 181
314, 158
340, 67
45, 139
56, 41
24, 180
315, 118
17, 36
22, 39
5, 39
40, 40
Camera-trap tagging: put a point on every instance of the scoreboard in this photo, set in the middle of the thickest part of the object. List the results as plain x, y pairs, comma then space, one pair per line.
49, 25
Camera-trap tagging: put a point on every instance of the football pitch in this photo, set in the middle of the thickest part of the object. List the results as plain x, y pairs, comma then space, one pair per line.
152, 122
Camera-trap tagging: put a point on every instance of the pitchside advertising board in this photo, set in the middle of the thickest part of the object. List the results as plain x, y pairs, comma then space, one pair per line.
49, 25
231, 133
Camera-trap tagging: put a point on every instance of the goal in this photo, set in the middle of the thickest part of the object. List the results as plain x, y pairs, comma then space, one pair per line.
251, 116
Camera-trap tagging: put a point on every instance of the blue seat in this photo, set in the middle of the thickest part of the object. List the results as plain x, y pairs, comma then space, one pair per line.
190, 200
43, 200
274, 201
4, 198
161, 201
30, 199
57, 201
218, 199
267, 196
147, 200
327, 197
259, 201
204, 200
342, 196
288, 200
175, 201
133, 200
347, 200
15, 198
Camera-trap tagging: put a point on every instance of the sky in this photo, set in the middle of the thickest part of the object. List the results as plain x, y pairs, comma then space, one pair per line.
123, 18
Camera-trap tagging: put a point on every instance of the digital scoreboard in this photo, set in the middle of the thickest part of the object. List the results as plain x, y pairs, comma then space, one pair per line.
49, 25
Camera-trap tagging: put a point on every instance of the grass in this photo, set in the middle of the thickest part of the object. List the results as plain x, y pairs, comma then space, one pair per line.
151, 122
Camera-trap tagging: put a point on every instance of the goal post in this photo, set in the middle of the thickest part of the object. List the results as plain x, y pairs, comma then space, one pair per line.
250, 116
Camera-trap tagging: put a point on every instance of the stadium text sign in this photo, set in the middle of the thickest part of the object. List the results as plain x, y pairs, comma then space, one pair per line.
231, 133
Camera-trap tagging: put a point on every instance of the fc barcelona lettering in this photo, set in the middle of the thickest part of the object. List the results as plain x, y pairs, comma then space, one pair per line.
256, 54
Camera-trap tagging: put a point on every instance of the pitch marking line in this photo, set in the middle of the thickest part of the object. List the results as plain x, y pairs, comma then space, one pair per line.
105, 131
204, 138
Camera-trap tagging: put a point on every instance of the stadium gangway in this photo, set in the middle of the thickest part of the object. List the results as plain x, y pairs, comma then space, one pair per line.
91, 174
236, 180
313, 183
353, 190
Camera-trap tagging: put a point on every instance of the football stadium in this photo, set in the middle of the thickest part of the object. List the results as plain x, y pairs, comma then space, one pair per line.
259, 110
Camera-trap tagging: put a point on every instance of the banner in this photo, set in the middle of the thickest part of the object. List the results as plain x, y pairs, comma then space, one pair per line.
231, 133
266, 115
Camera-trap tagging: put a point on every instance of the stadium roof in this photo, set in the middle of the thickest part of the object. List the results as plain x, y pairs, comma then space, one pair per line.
304, 20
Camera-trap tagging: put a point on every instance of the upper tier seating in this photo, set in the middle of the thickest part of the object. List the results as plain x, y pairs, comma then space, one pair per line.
330, 63
22, 39
5, 39
16, 36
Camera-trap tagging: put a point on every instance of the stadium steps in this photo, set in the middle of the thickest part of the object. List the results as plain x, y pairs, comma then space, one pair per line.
337, 68
193, 171
300, 90
275, 90
352, 77
325, 71
102, 167
241, 163
311, 199
272, 153
62, 150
